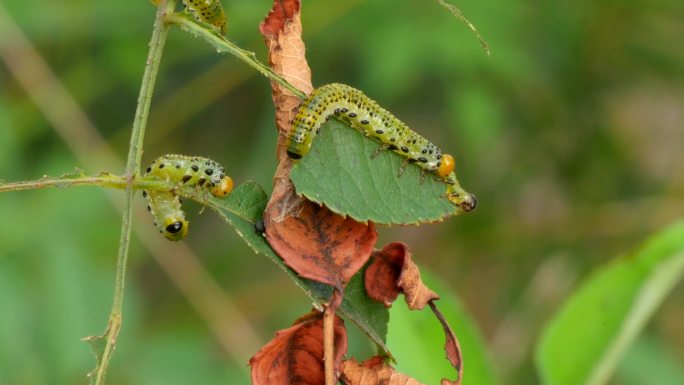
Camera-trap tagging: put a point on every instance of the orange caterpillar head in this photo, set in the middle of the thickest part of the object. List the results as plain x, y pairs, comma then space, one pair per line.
446, 165
223, 187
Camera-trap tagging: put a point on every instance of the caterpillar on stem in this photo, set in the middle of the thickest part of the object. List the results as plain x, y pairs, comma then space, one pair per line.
207, 11
165, 206
364, 114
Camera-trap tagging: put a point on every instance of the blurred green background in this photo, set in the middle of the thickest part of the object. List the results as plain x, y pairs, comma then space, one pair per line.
570, 134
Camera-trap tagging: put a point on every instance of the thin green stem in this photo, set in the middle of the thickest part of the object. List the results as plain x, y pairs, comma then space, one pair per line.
159, 34
223, 45
107, 180
102, 180
459, 15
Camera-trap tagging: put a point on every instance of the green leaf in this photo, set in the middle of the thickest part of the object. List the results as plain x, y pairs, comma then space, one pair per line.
98, 345
338, 171
244, 206
417, 340
365, 312
585, 341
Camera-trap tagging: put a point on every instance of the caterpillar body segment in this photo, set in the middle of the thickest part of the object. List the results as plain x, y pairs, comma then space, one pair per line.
165, 207
208, 11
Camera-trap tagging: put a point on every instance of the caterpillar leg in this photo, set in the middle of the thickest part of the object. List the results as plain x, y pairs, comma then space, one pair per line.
404, 163
379, 150
423, 173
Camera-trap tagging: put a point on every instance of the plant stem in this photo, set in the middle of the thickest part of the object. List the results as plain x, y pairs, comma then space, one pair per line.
157, 41
329, 345
459, 15
102, 180
149, 183
221, 44
329, 336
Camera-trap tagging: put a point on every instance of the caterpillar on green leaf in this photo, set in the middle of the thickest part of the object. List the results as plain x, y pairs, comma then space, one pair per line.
165, 206
364, 114
207, 11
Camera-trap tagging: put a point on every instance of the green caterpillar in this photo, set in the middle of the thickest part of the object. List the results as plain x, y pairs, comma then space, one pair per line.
207, 11
165, 206
359, 111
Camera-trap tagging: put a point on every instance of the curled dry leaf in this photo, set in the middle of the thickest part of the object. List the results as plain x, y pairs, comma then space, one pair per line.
282, 12
373, 372
451, 346
282, 31
392, 271
295, 355
313, 241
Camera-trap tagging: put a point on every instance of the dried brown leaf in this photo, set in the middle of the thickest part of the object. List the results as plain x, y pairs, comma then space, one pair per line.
381, 278
393, 271
451, 346
373, 372
282, 32
321, 245
295, 355
281, 12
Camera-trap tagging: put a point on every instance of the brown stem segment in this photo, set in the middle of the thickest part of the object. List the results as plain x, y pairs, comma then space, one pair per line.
329, 337
329, 345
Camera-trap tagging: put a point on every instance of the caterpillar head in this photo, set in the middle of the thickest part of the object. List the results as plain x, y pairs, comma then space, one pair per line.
223, 187
456, 195
175, 228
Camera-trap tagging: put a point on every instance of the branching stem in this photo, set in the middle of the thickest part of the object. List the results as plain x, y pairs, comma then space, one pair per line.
223, 45
102, 180
159, 34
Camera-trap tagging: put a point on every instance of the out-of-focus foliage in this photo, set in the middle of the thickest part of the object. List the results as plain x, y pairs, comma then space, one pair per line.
570, 134
603, 317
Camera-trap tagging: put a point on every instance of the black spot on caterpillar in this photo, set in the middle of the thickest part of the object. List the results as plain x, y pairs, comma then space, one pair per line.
165, 206
207, 11
364, 114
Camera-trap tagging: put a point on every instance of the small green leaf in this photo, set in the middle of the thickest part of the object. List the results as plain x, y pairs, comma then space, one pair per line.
103, 347
586, 340
97, 344
244, 206
338, 171
364, 311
